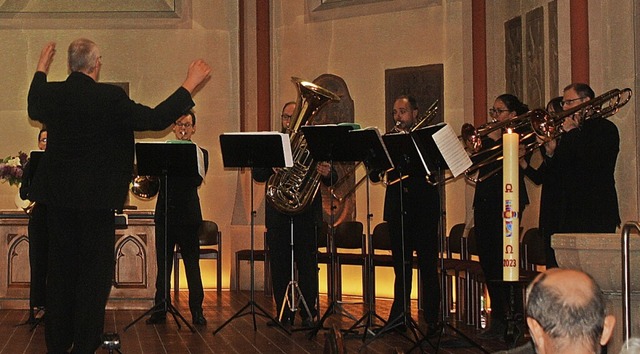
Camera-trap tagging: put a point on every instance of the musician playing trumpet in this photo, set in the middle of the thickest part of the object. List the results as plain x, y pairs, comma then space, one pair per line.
419, 202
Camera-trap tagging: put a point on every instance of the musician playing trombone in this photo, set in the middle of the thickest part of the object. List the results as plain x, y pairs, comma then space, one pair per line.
488, 207
585, 158
420, 203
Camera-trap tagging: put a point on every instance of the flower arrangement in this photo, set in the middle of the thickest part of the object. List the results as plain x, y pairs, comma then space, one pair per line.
11, 168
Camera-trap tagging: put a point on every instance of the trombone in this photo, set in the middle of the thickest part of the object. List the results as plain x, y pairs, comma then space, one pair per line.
541, 124
424, 120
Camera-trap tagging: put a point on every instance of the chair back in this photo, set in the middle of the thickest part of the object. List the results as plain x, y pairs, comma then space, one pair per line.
472, 248
533, 249
348, 234
380, 239
454, 241
208, 233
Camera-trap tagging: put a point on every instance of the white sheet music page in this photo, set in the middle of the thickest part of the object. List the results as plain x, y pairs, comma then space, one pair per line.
452, 150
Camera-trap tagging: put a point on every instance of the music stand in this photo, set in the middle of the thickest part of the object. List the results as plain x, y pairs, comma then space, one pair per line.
330, 143
258, 149
408, 161
166, 160
441, 150
368, 147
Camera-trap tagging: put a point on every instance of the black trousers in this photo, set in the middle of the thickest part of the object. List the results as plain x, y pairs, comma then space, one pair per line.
185, 236
304, 240
81, 266
38, 255
422, 237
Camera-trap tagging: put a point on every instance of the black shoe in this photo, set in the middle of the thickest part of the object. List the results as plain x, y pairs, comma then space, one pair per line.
157, 318
198, 319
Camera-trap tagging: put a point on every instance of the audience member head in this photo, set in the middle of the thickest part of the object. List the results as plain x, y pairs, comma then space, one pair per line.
566, 313
42, 139
84, 56
185, 126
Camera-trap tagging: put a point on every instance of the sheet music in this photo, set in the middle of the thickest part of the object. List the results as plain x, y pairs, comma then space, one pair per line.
452, 150
284, 138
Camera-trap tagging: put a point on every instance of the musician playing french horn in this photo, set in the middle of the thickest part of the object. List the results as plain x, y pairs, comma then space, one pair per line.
414, 204
585, 159
306, 225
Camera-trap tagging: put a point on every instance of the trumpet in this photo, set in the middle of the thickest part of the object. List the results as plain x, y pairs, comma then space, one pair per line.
424, 120
538, 123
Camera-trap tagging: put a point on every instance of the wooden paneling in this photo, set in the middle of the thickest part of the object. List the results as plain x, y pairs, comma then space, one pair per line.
135, 262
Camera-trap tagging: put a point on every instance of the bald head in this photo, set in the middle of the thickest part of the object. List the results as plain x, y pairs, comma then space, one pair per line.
567, 308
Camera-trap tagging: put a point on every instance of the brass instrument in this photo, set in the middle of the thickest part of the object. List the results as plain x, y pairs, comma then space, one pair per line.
145, 187
291, 189
424, 120
541, 124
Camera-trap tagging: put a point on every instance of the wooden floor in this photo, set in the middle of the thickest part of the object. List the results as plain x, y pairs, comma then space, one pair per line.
239, 335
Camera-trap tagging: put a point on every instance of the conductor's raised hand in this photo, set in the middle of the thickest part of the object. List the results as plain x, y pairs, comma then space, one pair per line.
46, 57
198, 72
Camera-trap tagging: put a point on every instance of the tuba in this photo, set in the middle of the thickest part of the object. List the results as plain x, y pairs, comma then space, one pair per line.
291, 189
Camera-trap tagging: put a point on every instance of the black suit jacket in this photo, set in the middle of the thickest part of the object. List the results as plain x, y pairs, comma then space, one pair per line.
89, 158
585, 161
183, 204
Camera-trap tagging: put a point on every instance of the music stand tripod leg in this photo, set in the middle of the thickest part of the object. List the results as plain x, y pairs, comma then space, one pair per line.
252, 305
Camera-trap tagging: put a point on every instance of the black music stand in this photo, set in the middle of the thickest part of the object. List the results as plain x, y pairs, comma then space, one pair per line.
261, 149
438, 157
330, 143
367, 146
407, 160
166, 160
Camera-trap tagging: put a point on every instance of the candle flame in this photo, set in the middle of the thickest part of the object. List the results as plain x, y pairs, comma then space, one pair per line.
509, 130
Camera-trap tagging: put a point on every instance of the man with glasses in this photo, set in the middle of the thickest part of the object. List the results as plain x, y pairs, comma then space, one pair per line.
585, 159
184, 217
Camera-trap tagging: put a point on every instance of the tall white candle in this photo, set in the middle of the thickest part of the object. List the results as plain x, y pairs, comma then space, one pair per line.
510, 194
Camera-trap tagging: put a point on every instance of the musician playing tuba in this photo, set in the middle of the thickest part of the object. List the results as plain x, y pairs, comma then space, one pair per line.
306, 225
412, 208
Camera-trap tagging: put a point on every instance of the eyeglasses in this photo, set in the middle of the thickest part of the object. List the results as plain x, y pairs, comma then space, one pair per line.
286, 117
43, 140
496, 112
184, 125
564, 103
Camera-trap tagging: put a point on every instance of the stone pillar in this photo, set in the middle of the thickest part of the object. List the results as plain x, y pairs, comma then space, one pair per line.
601, 256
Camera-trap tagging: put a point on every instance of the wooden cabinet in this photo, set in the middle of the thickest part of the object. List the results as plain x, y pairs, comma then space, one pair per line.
134, 255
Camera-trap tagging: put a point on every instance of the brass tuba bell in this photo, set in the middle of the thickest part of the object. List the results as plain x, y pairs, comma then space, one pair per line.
291, 189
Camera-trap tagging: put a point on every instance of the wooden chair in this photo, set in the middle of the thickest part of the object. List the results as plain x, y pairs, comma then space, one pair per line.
258, 256
381, 242
210, 239
348, 236
532, 251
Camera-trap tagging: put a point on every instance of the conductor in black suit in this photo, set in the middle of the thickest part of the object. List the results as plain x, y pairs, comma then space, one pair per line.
82, 178
184, 217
